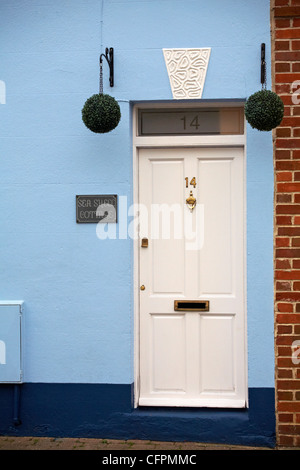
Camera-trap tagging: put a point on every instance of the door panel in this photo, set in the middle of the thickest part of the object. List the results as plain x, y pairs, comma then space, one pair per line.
215, 195
169, 352
192, 358
216, 353
166, 238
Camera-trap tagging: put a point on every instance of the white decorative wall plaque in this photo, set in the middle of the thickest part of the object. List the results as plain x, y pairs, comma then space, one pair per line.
187, 71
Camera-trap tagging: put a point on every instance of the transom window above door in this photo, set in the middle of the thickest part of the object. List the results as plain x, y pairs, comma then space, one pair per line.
191, 121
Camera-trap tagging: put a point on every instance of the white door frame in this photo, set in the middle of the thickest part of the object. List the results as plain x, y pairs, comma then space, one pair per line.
169, 142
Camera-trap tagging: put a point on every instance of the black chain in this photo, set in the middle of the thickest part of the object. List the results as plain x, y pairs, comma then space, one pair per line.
101, 79
264, 85
263, 67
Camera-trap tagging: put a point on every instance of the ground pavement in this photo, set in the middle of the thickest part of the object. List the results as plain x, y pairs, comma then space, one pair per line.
109, 445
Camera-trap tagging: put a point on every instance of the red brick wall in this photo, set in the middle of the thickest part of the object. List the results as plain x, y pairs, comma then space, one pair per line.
285, 21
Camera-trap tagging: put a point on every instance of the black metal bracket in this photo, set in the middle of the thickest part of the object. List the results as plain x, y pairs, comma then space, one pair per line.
109, 56
263, 64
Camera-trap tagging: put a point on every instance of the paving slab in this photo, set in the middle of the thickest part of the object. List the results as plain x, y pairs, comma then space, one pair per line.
54, 443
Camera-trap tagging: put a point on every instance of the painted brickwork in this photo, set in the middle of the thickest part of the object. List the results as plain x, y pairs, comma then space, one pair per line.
285, 17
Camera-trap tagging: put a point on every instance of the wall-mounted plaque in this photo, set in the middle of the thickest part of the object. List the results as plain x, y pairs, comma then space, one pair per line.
93, 209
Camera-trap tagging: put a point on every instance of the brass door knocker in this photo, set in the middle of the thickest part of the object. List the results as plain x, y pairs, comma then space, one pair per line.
191, 201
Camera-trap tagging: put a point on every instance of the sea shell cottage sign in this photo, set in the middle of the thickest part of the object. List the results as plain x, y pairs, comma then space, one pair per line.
97, 208
187, 71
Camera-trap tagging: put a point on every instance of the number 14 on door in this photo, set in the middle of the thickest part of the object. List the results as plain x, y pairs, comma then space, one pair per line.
192, 182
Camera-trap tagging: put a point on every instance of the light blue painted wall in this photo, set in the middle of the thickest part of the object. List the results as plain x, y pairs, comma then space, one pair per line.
78, 289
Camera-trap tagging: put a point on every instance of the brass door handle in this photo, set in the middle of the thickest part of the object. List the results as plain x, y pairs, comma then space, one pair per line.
142, 287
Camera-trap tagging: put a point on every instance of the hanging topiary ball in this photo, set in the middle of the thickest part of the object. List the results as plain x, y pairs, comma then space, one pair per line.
101, 113
264, 110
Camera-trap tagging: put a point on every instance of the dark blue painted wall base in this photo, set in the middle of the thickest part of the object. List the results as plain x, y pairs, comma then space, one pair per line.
106, 411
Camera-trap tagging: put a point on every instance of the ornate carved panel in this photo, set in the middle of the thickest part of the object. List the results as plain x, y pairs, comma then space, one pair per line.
187, 70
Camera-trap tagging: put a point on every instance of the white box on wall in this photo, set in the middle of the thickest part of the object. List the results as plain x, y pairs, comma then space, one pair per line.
11, 341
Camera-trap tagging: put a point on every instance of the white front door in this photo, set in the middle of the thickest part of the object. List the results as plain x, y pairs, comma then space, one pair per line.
192, 353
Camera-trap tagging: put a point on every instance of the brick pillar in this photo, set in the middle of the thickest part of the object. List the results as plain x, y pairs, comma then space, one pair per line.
285, 21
